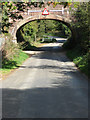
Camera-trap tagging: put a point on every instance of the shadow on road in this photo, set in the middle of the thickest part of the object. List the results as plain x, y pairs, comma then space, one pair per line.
43, 103
54, 55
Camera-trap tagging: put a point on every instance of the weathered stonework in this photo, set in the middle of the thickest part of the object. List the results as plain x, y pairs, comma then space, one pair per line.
63, 16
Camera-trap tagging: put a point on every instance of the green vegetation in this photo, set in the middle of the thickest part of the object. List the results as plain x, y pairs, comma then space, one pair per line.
80, 60
78, 46
35, 31
12, 57
15, 62
9, 65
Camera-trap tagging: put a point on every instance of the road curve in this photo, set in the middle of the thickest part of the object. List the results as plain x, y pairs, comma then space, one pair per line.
47, 85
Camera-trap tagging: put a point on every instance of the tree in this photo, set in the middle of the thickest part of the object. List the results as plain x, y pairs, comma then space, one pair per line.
81, 24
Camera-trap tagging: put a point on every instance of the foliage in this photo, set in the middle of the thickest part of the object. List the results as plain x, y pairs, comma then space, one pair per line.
5, 18
15, 62
81, 61
69, 43
81, 26
7, 9
79, 47
9, 65
9, 49
12, 56
36, 30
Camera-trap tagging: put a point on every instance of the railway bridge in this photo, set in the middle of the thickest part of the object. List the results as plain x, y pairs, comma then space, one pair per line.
34, 13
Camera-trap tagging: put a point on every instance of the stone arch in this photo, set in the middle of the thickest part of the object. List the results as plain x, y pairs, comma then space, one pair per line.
62, 19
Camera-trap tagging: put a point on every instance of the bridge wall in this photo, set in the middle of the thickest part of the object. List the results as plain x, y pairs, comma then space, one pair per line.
28, 16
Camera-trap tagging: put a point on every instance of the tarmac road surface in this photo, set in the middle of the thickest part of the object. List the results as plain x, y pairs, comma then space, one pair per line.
47, 85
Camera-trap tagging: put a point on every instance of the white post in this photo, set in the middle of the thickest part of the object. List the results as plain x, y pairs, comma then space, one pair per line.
43, 40
28, 12
62, 10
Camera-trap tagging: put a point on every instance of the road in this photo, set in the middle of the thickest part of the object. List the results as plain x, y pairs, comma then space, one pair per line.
47, 85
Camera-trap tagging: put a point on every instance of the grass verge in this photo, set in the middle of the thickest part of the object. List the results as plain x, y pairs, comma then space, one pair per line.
9, 65
81, 61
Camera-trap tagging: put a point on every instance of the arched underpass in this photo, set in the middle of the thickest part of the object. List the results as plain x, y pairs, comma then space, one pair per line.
59, 40
64, 18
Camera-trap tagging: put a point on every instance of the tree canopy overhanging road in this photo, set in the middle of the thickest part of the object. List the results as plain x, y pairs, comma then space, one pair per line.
47, 85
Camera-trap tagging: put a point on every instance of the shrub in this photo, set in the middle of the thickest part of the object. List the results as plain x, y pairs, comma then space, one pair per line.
9, 50
12, 56
69, 43
54, 40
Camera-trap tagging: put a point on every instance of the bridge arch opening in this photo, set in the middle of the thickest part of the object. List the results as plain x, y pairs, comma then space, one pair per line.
20, 38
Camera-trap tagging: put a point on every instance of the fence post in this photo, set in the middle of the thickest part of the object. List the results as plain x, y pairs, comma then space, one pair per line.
62, 10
